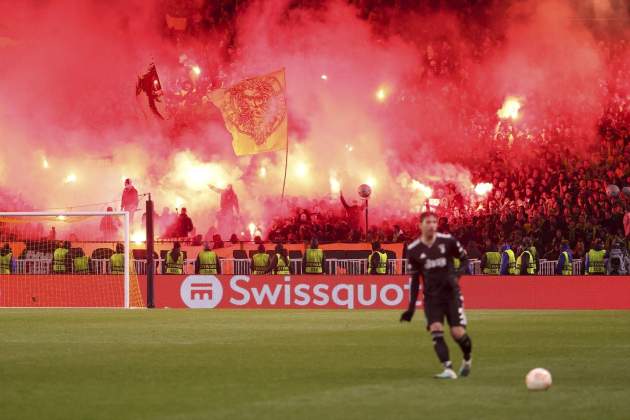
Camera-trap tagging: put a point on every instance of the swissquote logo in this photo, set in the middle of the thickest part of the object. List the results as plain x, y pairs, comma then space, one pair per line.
201, 291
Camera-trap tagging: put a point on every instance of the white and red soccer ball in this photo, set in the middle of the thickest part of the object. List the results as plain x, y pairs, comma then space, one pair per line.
538, 379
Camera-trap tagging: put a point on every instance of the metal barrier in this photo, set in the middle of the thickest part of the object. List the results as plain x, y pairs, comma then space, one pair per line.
475, 267
243, 266
346, 267
235, 266
33, 266
547, 268
397, 266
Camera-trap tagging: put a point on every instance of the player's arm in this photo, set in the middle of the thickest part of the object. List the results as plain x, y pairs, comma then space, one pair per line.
414, 269
413, 297
458, 251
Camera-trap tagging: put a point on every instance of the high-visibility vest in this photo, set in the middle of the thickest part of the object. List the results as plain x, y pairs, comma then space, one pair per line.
567, 270
208, 262
596, 262
493, 263
59, 260
172, 266
532, 250
118, 263
314, 259
511, 262
81, 265
5, 263
531, 264
282, 267
261, 262
381, 268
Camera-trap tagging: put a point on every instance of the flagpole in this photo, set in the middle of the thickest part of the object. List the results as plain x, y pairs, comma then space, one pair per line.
286, 164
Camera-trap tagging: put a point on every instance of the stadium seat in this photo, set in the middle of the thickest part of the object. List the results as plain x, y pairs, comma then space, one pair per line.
296, 261
102, 254
239, 254
139, 260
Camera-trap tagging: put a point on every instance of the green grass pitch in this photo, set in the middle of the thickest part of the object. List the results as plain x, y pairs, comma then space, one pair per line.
247, 364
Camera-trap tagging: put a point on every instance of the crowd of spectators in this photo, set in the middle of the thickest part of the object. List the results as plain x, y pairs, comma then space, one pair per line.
555, 194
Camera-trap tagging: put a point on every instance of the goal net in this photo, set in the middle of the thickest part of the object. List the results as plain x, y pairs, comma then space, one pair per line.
67, 259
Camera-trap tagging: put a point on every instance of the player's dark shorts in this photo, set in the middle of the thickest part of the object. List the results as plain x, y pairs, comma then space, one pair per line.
451, 308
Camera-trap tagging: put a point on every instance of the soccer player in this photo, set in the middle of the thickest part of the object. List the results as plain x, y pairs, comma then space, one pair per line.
431, 257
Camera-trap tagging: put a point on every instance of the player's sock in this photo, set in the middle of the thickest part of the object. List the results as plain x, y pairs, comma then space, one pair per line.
441, 349
466, 345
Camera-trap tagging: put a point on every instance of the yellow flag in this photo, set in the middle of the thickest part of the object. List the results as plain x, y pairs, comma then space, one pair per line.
255, 113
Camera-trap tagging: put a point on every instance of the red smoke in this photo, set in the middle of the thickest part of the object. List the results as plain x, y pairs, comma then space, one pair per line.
68, 70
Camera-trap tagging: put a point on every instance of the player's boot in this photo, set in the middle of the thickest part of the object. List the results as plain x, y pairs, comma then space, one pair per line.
466, 368
446, 374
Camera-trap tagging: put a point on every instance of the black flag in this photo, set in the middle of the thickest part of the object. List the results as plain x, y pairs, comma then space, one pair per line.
149, 83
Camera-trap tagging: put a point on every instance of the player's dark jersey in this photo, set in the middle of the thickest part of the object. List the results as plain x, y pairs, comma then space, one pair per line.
435, 265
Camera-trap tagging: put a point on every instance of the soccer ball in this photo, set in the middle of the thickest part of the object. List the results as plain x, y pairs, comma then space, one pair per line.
364, 190
538, 379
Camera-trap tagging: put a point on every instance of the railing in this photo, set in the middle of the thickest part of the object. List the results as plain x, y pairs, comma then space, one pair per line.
475, 267
33, 266
243, 266
547, 268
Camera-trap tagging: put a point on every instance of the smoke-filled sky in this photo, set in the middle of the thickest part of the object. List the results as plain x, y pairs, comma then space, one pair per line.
357, 113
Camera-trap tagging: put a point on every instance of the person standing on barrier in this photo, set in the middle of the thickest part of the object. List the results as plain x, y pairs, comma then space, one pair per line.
280, 263
6, 259
260, 261
508, 261
491, 261
129, 201
314, 258
431, 257
175, 260
594, 265
377, 263
207, 262
117, 260
564, 266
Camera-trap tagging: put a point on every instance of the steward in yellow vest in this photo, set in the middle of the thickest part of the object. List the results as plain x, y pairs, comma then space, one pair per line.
565, 261
280, 263
175, 260
117, 260
61, 260
260, 261
81, 264
207, 261
314, 258
508, 262
6, 258
377, 263
491, 262
525, 264
595, 260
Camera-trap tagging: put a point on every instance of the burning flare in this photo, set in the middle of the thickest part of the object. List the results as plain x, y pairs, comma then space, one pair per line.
422, 188
510, 108
483, 188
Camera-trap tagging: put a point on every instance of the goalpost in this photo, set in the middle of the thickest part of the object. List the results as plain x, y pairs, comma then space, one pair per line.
67, 259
